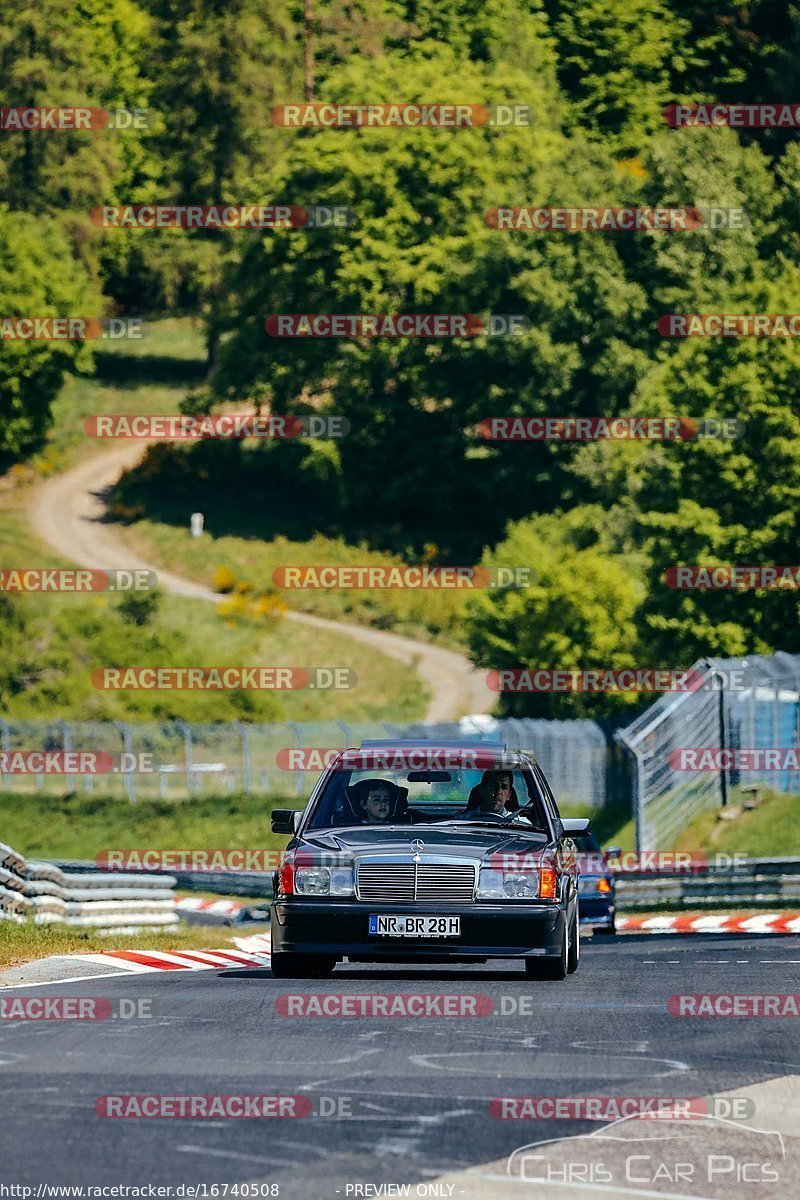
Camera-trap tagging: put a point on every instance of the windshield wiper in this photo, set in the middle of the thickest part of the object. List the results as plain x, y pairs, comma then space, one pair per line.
485, 822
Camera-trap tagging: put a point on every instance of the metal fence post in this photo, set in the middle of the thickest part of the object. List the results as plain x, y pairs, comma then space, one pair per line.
187, 743
298, 745
345, 733
724, 736
128, 779
66, 734
244, 732
5, 742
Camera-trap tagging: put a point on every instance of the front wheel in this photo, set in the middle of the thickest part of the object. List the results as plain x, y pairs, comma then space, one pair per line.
300, 966
551, 968
574, 952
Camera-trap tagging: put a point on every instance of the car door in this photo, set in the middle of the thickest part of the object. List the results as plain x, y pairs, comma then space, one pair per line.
567, 850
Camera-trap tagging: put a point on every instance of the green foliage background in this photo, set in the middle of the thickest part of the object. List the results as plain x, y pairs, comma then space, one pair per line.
599, 523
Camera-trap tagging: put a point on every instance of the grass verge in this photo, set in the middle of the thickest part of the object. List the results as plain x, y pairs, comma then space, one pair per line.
81, 826
771, 829
53, 643
24, 943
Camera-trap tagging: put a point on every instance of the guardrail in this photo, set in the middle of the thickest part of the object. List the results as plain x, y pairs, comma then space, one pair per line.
221, 883
48, 895
91, 897
752, 883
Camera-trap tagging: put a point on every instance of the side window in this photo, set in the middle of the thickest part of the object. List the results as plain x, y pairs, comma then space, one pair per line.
547, 796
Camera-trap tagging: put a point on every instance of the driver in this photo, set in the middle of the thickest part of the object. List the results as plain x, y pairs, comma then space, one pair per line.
496, 788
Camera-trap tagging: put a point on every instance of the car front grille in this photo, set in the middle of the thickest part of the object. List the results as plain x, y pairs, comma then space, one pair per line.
387, 881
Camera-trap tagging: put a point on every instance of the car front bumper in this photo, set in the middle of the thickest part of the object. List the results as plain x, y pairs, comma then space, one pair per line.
597, 911
340, 928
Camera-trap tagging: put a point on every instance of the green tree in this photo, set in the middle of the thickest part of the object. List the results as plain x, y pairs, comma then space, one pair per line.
577, 614
422, 245
614, 64
38, 278
216, 141
53, 54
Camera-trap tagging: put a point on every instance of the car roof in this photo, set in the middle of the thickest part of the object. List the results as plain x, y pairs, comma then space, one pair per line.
418, 753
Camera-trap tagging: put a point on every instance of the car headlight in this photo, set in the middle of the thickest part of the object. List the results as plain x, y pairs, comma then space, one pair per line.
511, 885
324, 881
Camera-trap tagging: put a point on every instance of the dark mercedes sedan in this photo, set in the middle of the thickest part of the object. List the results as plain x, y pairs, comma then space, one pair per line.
427, 852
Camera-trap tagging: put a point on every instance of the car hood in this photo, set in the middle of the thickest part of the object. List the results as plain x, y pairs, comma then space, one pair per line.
470, 842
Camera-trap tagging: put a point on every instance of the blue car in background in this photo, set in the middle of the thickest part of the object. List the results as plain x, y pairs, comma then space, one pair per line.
596, 886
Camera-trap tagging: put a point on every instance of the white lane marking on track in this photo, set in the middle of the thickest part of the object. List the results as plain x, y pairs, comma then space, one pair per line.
272, 1162
426, 1061
52, 982
396, 1146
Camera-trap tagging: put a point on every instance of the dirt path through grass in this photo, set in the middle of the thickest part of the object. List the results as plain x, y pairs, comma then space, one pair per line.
67, 512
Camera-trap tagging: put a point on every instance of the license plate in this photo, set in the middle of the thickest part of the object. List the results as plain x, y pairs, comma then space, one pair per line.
384, 925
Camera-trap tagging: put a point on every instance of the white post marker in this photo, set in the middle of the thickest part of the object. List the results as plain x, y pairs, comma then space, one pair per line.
196, 524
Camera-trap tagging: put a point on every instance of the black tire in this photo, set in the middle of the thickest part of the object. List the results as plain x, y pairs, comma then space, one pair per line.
551, 968
574, 951
300, 966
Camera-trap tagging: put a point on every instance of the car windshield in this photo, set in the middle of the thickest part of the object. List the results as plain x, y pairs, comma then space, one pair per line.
366, 796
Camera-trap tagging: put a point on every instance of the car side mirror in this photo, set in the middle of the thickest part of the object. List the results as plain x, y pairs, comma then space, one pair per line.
282, 820
575, 825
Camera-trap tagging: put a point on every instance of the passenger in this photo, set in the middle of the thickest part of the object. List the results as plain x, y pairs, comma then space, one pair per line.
376, 805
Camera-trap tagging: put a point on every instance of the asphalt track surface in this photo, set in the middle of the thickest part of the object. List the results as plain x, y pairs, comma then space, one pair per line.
411, 1096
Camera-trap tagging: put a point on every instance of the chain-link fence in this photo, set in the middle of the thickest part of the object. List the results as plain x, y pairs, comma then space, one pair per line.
734, 705
175, 759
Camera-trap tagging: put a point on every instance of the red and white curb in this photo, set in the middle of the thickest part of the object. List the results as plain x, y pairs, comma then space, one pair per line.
141, 961
258, 943
713, 923
227, 908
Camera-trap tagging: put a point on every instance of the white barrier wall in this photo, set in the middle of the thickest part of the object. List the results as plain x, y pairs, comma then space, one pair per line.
48, 895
